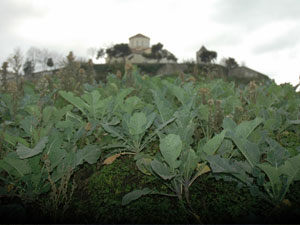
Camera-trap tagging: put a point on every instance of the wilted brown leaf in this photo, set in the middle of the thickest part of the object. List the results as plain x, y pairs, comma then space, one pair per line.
88, 126
111, 159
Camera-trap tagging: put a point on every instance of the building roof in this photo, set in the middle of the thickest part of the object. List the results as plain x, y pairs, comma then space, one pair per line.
139, 35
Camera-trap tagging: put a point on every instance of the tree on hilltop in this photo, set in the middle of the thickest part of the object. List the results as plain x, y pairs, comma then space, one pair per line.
15, 61
50, 62
28, 67
208, 56
119, 51
4, 75
231, 63
158, 53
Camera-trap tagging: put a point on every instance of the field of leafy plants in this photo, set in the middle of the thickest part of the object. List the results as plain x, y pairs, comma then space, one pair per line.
140, 149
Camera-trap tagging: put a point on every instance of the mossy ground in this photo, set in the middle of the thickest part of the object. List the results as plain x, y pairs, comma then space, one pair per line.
100, 190
99, 200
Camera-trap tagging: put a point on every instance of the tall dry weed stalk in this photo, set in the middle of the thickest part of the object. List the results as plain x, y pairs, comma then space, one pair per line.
61, 192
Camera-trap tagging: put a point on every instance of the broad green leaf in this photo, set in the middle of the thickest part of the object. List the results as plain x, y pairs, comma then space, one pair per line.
93, 103
291, 167
61, 112
229, 124
170, 148
190, 160
134, 195
90, 154
213, 144
163, 106
221, 165
28, 124
176, 91
47, 113
272, 172
276, 154
21, 166
144, 165
244, 129
55, 151
120, 97
25, 152
76, 101
113, 131
150, 119
162, 170
249, 149
33, 110
13, 140
131, 104
227, 166
137, 123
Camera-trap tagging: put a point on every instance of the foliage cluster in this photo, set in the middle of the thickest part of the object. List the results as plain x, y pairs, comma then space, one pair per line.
175, 129
158, 53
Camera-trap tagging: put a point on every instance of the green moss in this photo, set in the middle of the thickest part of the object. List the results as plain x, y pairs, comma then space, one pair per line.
104, 192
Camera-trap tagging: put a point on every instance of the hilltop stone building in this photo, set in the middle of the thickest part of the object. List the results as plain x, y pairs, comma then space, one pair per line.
139, 45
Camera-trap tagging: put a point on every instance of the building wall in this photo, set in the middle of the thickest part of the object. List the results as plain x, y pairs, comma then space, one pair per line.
139, 43
245, 72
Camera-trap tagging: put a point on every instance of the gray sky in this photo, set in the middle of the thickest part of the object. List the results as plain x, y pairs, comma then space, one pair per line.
265, 34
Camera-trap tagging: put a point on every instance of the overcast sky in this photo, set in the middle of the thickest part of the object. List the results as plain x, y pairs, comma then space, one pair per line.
265, 34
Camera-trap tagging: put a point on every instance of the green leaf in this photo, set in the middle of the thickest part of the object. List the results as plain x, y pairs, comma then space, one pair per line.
291, 167
162, 170
90, 154
21, 166
131, 104
13, 140
276, 154
137, 123
163, 106
120, 98
245, 128
170, 148
273, 173
93, 102
238, 170
143, 162
213, 144
203, 112
113, 131
134, 195
47, 113
55, 151
25, 152
221, 165
249, 149
229, 124
76, 101
190, 160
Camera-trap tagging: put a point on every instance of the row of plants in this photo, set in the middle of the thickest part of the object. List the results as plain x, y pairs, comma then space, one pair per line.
196, 127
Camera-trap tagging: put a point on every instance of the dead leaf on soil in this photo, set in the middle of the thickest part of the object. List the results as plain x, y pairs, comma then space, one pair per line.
111, 159
88, 126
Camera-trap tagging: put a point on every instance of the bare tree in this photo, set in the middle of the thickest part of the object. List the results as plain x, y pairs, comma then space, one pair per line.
33, 55
91, 52
40, 57
15, 62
